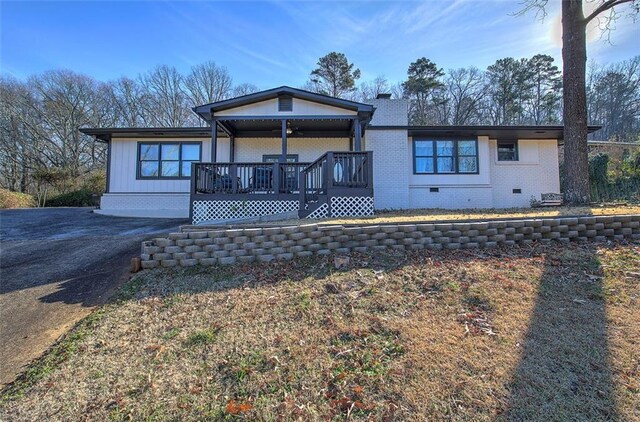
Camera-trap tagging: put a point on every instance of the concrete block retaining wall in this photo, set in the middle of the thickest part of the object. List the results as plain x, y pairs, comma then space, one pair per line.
230, 246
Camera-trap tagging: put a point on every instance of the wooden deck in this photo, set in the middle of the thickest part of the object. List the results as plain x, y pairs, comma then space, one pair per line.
334, 174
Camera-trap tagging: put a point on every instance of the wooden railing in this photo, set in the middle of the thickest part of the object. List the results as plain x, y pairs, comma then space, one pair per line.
246, 178
337, 174
334, 174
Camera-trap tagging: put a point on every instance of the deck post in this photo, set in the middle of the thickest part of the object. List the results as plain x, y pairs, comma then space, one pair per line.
192, 189
232, 148
275, 179
370, 170
283, 156
233, 173
214, 141
358, 136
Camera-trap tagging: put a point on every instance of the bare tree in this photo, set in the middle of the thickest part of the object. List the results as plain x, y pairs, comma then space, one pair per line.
127, 97
164, 101
371, 89
244, 89
208, 83
466, 89
613, 100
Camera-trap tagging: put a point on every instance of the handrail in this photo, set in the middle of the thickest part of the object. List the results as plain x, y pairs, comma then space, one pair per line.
245, 178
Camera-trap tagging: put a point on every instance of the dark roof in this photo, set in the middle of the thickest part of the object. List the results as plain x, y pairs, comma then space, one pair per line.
326, 128
207, 110
494, 132
105, 134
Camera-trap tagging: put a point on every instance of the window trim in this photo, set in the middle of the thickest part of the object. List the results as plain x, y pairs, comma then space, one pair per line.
455, 157
139, 175
510, 141
296, 157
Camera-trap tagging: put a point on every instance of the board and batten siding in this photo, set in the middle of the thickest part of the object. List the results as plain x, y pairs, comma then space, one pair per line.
124, 161
124, 155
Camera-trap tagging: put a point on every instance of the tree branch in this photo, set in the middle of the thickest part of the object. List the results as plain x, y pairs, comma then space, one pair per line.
603, 7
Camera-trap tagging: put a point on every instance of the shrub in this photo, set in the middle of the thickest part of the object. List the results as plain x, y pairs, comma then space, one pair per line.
609, 186
10, 199
77, 198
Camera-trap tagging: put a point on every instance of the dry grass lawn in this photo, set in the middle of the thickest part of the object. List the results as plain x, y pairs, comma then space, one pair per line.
434, 214
545, 332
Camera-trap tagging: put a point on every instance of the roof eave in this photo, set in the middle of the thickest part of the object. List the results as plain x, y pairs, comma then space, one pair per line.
206, 111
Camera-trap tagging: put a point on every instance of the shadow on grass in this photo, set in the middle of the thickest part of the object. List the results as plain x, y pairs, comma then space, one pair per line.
564, 371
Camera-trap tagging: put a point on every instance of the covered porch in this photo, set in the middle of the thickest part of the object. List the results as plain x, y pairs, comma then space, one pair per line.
289, 151
318, 159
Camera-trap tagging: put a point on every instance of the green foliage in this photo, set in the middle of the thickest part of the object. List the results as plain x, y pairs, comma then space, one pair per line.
94, 181
335, 76
202, 337
511, 83
9, 199
422, 77
82, 191
77, 198
425, 90
609, 186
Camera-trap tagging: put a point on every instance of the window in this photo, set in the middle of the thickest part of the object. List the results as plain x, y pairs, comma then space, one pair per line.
285, 103
443, 156
274, 158
507, 150
167, 160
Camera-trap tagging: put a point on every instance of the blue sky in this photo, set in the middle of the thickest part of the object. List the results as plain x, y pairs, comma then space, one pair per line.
278, 43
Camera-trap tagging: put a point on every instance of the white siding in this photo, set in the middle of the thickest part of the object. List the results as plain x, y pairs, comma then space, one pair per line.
300, 108
308, 149
124, 156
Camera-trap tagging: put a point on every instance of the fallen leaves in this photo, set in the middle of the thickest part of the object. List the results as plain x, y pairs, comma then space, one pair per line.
235, 408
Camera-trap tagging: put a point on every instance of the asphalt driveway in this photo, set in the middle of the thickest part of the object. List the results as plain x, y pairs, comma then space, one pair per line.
56, 265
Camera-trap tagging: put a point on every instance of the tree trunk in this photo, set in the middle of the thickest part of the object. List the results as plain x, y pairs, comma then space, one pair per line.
574, 58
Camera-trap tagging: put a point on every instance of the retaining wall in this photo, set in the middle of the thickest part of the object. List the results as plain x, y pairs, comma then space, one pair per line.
229, 246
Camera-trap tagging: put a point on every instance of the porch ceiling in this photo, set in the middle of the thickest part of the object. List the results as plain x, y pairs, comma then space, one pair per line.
301, 128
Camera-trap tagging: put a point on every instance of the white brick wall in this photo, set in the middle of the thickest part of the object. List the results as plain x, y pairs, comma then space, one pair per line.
164, 205
390, 112
390, 150
536, 172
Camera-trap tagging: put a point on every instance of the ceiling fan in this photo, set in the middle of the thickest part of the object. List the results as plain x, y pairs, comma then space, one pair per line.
295, 131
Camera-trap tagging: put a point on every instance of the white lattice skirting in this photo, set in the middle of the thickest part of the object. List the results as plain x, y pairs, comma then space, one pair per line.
227, 210
351, 206
321, 212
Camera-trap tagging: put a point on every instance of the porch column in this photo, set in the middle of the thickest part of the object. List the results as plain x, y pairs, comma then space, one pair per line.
358, 136
283, 156
232, 148
214, 141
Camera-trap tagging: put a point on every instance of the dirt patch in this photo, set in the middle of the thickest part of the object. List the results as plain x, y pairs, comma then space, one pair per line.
455, 335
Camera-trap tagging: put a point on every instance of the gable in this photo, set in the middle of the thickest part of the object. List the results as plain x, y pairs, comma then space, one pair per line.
300, 108
301, 102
